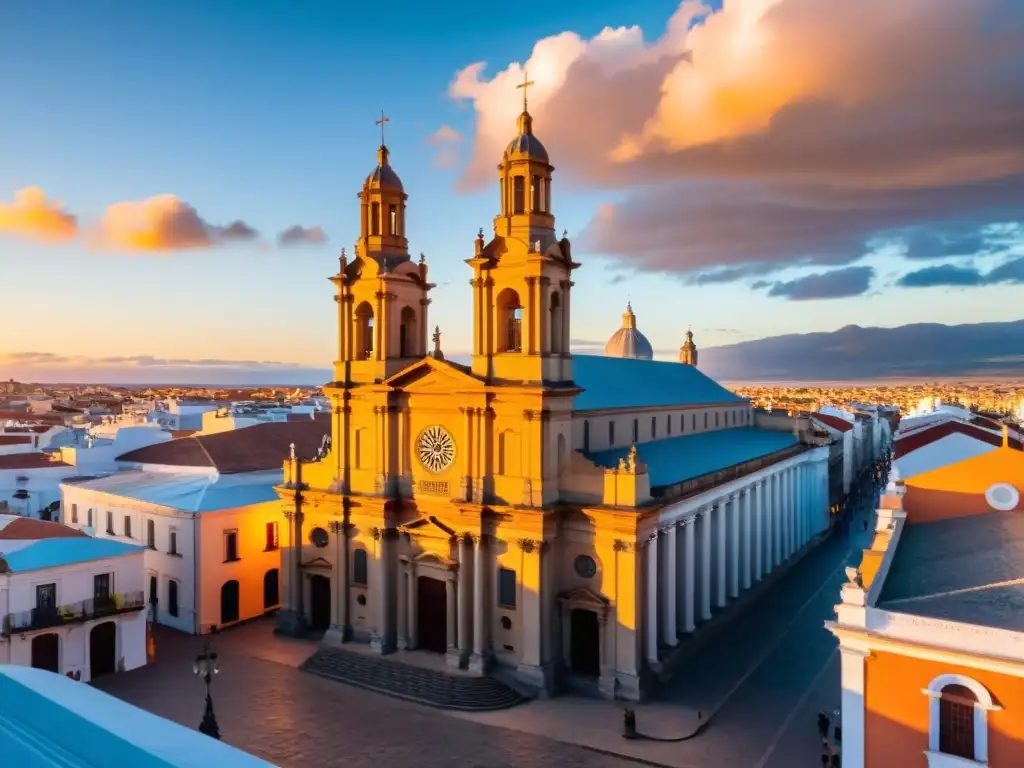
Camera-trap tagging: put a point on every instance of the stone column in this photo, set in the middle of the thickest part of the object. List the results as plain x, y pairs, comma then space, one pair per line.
450, 613
402, 606
533, 666
467, 455
759, 558
651, 625
340, 630
734, 545
721, 549
669, 634
481, 643
746, 540
412, 606
776, 520
705, 564
688, 585
464, 588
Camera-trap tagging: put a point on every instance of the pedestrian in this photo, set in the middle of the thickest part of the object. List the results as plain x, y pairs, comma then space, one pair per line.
823, 724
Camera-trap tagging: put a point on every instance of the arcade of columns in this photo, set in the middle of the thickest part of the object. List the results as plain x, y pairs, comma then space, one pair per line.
711, 554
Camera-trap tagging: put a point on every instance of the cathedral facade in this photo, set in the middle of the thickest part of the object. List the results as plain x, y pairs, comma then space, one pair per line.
565, 520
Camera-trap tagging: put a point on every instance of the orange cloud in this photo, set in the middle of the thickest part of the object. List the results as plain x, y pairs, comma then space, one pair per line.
446, 141
32, 215
163, 223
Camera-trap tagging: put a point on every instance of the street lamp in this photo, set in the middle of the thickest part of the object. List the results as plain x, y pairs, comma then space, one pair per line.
205, 666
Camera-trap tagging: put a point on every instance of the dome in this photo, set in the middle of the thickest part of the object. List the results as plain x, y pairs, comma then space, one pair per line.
384, 176
526, 143
628, 341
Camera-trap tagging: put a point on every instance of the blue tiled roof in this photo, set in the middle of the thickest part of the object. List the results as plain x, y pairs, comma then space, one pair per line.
676, 459
47, 719
613, 382
189, 491
47, 553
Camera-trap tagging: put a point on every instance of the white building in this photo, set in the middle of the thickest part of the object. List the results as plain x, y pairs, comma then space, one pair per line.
181, 414
30, 482
85, 726
70, 603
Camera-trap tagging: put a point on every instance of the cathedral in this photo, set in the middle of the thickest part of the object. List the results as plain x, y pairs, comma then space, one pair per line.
564, 520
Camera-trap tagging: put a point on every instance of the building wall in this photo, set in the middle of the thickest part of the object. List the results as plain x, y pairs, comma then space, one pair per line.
254, 560
896, 718
74, 584
43, 486
591, 429
959, 489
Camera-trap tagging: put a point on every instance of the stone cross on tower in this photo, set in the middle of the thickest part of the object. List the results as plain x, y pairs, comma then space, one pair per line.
525, 85
381, 123
437, 354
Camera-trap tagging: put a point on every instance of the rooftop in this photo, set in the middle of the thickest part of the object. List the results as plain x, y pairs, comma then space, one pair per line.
50, 720
837, 423
960, 569
35, 460
17, 527
255, 448
611, 382
190, 492
911, 442
19, 556
677, 459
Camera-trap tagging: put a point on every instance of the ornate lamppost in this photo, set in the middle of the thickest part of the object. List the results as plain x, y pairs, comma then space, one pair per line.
205, 666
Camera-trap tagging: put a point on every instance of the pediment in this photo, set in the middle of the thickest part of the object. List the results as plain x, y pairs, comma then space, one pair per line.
428, 526
585, 597
318, 562
433, 558
429, 374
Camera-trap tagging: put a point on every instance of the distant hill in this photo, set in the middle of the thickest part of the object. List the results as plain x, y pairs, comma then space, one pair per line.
922, 350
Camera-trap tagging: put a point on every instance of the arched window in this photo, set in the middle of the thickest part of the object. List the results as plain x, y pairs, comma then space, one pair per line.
958, 717
360, 568
407, 337
636, 430
586, 435
392, 219
364, 331
535, 194
510, 321
654, 427
374, 218
518, 194
555, 346
271, 588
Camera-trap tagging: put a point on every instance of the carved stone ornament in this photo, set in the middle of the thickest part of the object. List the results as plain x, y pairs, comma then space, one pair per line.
624, 546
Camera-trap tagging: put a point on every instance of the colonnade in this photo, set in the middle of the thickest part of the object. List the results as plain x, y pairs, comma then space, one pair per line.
700, 560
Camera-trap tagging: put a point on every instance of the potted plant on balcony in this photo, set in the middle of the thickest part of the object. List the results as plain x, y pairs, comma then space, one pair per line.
118, 600
66, 612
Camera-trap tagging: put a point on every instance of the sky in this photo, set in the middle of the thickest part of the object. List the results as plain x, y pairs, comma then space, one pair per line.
177, 179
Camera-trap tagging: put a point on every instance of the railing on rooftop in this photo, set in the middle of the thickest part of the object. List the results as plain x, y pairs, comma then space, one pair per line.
73, 613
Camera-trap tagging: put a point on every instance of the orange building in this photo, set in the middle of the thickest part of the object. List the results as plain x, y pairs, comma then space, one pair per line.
931, 625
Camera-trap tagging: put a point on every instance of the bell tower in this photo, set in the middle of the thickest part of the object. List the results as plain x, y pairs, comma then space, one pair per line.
381, 293
688, 352
522, 277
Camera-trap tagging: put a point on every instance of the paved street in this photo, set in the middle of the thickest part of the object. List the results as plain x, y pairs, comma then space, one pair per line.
774, 665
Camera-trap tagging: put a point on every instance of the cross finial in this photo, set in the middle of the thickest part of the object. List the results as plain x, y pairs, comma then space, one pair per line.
381, 123
525, 85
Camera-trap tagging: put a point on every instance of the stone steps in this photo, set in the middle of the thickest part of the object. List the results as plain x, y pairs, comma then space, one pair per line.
406, 681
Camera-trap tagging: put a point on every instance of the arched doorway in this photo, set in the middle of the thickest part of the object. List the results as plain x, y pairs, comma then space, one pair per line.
46, 652
271, 589
431, 615
585, 650
319, 602
229, 602
102, 649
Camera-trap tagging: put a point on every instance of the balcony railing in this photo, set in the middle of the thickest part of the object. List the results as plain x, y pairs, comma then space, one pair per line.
74, 613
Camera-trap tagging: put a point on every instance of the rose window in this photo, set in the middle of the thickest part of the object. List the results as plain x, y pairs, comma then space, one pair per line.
436, 449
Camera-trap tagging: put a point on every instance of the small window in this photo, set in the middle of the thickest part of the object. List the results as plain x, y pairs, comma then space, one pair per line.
506, 588
89, 518
127, 526
586, 435
46, 598
535, 194
716, 419
172, 542
359, 568
518, 194
172, 598
668, 424
654, 427
152, 589
151, 534
101, 586
636, 430
110, 523
956, 721
374, 218
392, 219
74, 513
230, 546
693, 422
611, 433
272, 541
705, 419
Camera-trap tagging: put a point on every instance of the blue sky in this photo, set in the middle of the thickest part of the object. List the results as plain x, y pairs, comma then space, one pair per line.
265, 113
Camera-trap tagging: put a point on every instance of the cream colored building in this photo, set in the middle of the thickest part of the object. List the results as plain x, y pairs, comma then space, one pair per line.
566, 519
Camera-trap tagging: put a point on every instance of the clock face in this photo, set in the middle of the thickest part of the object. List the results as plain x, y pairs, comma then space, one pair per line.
436, 449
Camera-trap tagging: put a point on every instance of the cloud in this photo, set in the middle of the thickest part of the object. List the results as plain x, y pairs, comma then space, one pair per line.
163, 223
825, 124
299, 235
32, 215
942, 274
951, 275
446, 141
836, 284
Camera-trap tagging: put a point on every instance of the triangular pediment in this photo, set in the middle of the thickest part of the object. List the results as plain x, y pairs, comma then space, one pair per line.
435, 559
430, 374
318, 562
584, 597
428, 526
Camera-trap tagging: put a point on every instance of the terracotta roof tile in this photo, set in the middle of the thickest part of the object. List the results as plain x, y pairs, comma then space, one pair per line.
833, 421
25, 528
29, 461
15, 440
250, 449
914, 440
